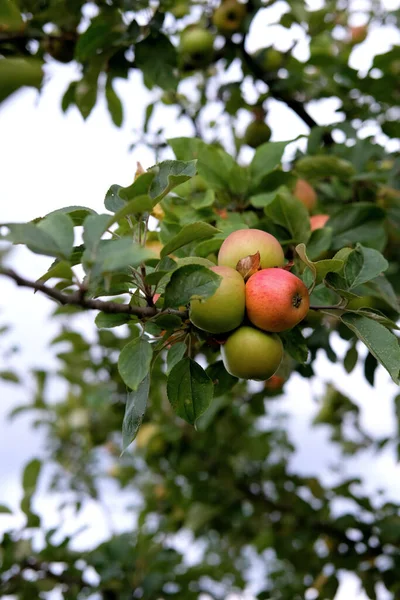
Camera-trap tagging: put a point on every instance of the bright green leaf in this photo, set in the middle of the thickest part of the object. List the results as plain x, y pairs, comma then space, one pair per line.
189, 390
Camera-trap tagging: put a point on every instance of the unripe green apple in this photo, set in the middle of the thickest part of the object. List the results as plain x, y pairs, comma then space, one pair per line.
246, 242
269, 59
229, 16
276, 300
18, 72
252, 354
224, 310
180, 9
196, 46
305, 193
318, 221
257, 133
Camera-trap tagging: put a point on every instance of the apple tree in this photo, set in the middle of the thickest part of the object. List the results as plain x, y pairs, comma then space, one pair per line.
161, 403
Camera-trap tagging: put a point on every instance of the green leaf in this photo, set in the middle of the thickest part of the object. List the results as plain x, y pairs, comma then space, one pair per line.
77, 213
113, 200
10, 16
36, 239
30, 476
61, 228
295, 344
291, 214
18, 72
134, 412
222, 380
358, 223
114, 104
9, 376
175, 355
263, 200
186, 148
137, 206
134, 362
382, 288
5, 510
215, 166
266, 158
169, 174
106, 320
191, 281
318, 167
86, 95
188, 234
115, 255
381, 343
319, 242
58, 270
94, 227
351, 358
320, 268
156, 57
362, 265
189, 390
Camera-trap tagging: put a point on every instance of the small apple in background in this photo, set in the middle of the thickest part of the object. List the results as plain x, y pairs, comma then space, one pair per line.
196, 47
252, 354
257, 133
304, 192
229, 16
276, 300
224, 310
274, 383
318, 221
358, 34
246, 242
269, 59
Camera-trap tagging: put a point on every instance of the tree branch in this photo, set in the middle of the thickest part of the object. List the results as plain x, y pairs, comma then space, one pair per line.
78, 299
293, 104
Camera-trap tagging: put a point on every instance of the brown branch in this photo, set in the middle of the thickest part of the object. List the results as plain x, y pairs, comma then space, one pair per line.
79, 299
293, 104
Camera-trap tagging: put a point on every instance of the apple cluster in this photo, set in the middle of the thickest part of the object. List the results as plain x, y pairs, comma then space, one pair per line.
253, 312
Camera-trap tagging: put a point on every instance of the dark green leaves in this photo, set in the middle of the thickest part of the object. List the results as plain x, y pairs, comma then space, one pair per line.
266, 158
134, 362
169, 174
52, 236
381, 343
291, 214
363, 264
188, 234
156, 57
191, 281
29, 483
189, 389
134, 411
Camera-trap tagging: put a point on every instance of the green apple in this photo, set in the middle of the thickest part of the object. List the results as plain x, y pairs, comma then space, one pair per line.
229, 16
224, 310
257, 133
269, 59
247, 242
196, 47
252, 354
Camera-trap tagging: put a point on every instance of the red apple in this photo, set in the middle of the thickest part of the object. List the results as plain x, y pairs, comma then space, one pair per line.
224, 310
305, 193
276, 300
246, 242
252, 354
318, 221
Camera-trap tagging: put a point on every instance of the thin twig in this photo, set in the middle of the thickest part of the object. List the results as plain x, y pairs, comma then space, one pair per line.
78, 299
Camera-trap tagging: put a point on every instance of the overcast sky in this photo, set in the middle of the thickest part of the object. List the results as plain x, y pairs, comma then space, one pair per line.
53, 160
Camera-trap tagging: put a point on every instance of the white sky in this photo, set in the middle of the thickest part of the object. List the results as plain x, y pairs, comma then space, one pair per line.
51, 160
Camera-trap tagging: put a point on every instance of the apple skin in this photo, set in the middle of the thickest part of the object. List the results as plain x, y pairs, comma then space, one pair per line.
276, 300
224, 310
246, 242
252, 354
269, 59
318, 221
196, 46
229, 16
305, 193
358, 34
257, 133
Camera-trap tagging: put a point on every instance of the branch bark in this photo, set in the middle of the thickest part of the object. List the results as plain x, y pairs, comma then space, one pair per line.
78, 299
293, 104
